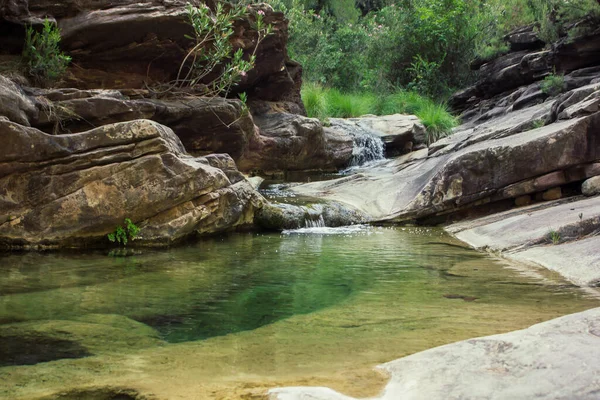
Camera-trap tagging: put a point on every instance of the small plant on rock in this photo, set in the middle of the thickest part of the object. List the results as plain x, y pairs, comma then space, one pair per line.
44, 61
553, 84
554, 237
124, 233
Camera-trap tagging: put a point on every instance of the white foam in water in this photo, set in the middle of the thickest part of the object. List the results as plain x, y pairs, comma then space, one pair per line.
327, 230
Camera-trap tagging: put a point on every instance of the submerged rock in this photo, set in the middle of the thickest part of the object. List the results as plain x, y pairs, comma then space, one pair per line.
526, 364
72, 190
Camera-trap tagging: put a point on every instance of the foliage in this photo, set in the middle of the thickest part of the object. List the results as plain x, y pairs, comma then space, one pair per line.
323, 103
553, 84
212, 65
554, 237
44, 61
419, 45
124, 233
315, 101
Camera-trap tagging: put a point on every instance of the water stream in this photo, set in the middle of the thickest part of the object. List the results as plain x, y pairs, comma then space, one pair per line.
226, 316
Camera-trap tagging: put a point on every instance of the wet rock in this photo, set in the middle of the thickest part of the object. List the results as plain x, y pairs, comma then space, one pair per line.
460, 175
591, 187
72, 190
30, 343
281, 216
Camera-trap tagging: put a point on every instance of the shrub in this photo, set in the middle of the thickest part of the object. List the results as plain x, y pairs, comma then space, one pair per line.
553, 84
124, 233
44, 61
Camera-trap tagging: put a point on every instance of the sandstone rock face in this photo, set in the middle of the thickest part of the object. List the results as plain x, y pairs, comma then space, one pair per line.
527, 64
71, 190
526, 234
526, 364
126, 44
293, 142
14, 104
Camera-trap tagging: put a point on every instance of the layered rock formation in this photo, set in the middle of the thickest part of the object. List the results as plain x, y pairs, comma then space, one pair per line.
72, 190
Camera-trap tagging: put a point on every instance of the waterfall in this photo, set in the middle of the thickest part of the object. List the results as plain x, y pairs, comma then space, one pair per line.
367, 147
314, 223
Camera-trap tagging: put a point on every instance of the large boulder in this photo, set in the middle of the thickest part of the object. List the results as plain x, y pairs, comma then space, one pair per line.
293, 142
72, 190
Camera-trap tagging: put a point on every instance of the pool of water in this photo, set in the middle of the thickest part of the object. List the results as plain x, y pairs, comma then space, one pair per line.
297, 307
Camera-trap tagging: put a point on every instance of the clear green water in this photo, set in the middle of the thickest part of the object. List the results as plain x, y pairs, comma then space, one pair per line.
328, 294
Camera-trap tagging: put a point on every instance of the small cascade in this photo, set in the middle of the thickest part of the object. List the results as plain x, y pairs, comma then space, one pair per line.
314, 223
367, 147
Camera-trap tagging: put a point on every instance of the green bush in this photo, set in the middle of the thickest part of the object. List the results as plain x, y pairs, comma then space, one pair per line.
123, 234
44, 61
553, 84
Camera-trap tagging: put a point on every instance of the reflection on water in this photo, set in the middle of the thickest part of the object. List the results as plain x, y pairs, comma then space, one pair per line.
266, 305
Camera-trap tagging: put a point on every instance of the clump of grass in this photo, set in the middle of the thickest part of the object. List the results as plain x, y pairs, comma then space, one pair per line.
438, 121
342, 105
554, 237
553, 84
315, 101
323, 103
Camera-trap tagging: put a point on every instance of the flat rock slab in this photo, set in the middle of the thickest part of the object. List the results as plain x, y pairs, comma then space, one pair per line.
557, 359
527, 226
526, 235
577, 261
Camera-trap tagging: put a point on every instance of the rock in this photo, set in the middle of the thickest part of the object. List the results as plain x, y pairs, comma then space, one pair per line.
72, 190
525, 38
117, 45
14, 104
293, 142
400, 133
576, 58
456, 177
591, 187
524, 234
280, 216
523, 201
552, 194
525, 364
